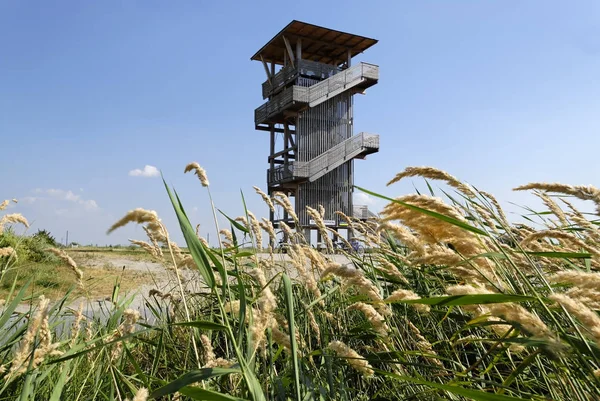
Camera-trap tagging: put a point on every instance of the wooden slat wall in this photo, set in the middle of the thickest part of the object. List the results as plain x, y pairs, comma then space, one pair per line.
319, 129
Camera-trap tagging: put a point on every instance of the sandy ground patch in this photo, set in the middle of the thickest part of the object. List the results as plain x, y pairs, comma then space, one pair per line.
138, 274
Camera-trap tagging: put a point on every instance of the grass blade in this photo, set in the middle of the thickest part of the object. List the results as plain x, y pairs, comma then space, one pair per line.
194, 245
191, 378
457, 300
476, 395
202, 324
289, 304
197, 393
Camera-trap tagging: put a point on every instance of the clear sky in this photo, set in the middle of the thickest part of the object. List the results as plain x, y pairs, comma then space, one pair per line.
498, 93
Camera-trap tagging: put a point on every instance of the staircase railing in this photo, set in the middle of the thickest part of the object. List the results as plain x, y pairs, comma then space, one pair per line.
340, 153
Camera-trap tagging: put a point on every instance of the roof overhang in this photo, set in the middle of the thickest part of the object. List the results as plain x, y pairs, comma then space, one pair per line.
318, 44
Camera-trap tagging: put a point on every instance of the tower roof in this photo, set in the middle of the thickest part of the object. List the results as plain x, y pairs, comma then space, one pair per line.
318, 44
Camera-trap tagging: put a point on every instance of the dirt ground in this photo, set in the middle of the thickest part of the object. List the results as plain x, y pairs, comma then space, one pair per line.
137, 274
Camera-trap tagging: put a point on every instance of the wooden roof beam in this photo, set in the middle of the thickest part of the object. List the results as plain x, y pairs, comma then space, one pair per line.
267, 71
320, 41
289, 50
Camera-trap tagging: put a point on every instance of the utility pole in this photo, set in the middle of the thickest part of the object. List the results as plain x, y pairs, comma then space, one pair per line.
67, 239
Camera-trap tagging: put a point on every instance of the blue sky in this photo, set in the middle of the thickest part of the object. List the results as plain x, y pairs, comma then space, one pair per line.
498, 93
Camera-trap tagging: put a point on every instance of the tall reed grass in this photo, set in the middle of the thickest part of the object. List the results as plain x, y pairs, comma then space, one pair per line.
450, 301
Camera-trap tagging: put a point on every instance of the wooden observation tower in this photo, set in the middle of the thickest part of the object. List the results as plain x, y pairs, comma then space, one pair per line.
309, 115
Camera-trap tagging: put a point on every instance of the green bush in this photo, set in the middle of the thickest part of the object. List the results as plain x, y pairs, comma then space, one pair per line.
30, 248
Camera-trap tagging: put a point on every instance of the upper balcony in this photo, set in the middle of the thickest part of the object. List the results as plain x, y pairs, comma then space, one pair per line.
306, 68
295, 98
292, 98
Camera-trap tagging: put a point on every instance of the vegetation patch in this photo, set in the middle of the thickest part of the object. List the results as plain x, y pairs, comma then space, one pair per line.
450, 300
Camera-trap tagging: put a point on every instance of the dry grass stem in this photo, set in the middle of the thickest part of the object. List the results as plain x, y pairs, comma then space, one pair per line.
434, 174
147, 247
390, 269
70, 263
579, 191
266, 225
266, 198
354, 359
12, 219
140, 395
76, 326
318, 221
209, 354
553, 207
139, 216
28, 353
256, 230
282, 200
6, 251
407, 295
422, 343
588, 318
199, 171
376, 320
297, 255
560, 235
492, 199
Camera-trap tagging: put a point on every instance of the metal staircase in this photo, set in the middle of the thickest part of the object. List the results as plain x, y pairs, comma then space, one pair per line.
357, 146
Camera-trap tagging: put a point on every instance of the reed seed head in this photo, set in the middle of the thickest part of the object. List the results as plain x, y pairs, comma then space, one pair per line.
354, 359
26, 355
376, 320
140, 395
62, 255
6, 251
139, 216
407, 295
588, 318
256, 229
553, 207
434, 174
13, 219
209, 354
266, 198
320, 223
582, 192
199, 171
284, 201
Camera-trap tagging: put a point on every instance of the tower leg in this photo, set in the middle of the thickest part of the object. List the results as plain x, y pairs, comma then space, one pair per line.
307, 232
